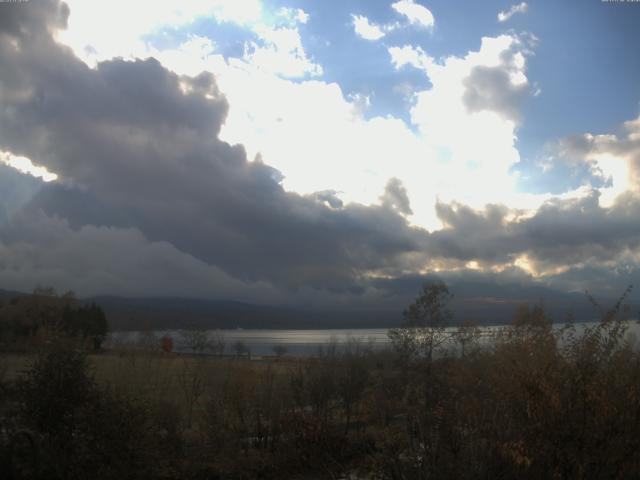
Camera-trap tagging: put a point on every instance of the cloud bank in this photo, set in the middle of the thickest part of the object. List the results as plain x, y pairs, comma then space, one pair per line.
150, 200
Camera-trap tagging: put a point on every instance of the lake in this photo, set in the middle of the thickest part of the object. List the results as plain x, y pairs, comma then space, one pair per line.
302, 342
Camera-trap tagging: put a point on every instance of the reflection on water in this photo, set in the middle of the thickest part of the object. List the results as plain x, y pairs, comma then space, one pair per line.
305, 342
262, 342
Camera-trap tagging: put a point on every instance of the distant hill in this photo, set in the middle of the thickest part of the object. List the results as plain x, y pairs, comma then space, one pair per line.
471, 302
4, 294
168, 313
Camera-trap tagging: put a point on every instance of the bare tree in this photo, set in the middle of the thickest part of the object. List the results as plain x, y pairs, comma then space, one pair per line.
191, 379
241, 348
352, 378
218, 343
147, 341
425, 322
196, 341
280, 350
467, 335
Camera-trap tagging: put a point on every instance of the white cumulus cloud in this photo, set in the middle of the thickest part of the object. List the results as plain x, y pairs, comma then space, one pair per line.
293, 15
91, 23
410, 55
505, 15
366, 29
416, 14
282, 53
470, 115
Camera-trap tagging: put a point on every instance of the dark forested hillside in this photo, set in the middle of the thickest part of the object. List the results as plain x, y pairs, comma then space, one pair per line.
471, 302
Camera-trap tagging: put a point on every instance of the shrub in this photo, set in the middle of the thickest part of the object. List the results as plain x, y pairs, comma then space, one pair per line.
85, 431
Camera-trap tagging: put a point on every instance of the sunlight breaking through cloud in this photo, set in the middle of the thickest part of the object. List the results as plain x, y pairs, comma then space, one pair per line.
24, 165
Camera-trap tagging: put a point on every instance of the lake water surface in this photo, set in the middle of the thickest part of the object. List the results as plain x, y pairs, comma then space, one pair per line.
302, 342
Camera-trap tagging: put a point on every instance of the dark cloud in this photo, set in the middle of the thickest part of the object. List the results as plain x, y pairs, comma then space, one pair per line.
580, 149
605, 280
491, 88
572, 162
329, 197
151, 201
16, 190
39, 22
626, 146
395, 196
137, 148
37, 249
562, 232
629, 147
469, 234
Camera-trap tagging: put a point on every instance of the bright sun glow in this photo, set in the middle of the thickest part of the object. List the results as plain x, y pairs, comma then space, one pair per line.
460, 152
24, 165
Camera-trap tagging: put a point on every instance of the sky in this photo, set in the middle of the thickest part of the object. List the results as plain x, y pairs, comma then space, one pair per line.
318, 152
